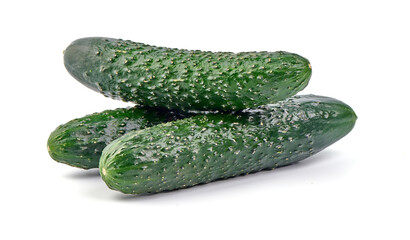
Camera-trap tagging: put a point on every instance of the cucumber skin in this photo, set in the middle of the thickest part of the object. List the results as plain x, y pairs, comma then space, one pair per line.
182, 79
205, 148
79, 142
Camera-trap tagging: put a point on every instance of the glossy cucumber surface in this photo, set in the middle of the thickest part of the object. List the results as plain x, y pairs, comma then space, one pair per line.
184, 79
206, 148
79, 142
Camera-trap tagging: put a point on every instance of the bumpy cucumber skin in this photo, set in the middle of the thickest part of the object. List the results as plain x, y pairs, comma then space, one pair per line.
182, 79
209, 147
79, 142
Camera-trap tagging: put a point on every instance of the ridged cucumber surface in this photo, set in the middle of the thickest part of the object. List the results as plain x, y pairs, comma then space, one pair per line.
184, 79
79, 142
205, 148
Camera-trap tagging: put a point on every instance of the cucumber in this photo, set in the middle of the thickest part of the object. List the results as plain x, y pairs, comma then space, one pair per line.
79, 142
182, 79
205, 148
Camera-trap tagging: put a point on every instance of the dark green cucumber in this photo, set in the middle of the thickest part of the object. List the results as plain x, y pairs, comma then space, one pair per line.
205, 148
182, 79
80, 142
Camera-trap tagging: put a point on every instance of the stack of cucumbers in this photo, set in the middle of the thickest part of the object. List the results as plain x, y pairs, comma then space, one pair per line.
198, 116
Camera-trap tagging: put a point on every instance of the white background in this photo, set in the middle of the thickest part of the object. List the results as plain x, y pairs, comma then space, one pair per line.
356, 189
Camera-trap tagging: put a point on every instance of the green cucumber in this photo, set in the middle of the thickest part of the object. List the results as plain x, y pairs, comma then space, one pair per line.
80, 142
205, 148
183, 79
